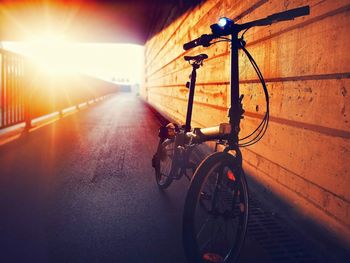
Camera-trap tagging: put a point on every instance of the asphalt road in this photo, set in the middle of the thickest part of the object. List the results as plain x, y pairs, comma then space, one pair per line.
82, 189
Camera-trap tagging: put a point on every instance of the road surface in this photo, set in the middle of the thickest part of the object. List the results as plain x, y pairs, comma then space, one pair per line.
82, 189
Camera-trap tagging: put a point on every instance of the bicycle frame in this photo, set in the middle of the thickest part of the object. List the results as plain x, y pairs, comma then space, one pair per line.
235, 111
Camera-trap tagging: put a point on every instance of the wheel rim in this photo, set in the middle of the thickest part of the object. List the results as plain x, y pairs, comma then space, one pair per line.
219, 214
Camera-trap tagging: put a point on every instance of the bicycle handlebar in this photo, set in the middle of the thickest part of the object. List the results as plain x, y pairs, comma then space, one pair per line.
205, 39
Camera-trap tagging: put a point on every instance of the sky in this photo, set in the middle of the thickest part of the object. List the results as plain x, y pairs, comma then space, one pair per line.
108, 61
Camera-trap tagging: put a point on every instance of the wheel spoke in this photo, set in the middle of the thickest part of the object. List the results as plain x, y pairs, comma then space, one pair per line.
203, 225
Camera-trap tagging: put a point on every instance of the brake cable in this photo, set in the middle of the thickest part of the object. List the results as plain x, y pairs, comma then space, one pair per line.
260, 131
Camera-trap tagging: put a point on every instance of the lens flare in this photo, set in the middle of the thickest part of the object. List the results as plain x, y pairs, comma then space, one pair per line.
120, 63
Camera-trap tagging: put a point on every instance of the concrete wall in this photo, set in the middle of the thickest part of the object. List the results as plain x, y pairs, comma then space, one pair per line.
305, 155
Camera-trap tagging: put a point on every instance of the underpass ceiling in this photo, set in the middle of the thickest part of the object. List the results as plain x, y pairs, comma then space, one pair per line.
119, 21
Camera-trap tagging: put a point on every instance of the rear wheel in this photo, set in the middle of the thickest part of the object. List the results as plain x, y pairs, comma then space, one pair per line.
164, 163
216, 211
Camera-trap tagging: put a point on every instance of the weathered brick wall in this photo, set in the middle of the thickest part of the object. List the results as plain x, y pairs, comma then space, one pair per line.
305, 155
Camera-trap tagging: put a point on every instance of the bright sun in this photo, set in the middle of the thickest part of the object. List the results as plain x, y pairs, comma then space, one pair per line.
48, 51
108, 61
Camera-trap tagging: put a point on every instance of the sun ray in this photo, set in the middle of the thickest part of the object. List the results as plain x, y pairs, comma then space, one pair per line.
7, 14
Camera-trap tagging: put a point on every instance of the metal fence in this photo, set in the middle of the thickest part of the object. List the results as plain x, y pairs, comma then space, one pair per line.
26, 92
12, 93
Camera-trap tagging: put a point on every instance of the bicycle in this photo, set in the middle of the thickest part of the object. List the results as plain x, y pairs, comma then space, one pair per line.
216, 208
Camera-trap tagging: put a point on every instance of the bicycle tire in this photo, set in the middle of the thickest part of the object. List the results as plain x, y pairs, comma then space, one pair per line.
164, 163
196, 197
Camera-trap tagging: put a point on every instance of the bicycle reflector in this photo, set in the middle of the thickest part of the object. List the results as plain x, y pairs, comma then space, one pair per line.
223, 27
231, 176
212, 257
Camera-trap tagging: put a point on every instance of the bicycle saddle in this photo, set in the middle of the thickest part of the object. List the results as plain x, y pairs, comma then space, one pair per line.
199, 58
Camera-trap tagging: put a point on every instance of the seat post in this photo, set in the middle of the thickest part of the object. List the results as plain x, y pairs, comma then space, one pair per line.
192, 86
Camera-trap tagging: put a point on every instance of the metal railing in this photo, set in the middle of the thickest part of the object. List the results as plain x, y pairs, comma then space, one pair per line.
26, 92
12, 91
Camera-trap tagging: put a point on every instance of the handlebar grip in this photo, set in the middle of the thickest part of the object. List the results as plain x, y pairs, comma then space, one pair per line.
290, 14
203, 40
191, 44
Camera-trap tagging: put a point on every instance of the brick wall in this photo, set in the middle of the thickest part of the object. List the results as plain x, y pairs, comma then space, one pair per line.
305, 155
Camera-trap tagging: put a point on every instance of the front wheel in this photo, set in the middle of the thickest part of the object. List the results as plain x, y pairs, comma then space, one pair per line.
216, 211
